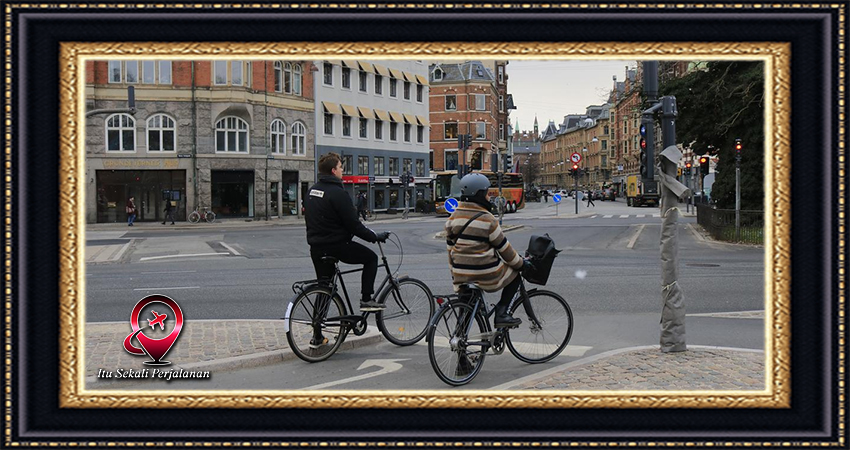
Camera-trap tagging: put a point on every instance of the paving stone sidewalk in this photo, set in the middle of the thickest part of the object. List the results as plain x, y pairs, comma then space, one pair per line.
647, 368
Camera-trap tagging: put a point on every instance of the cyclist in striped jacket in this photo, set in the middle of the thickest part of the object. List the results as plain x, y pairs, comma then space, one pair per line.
478, 250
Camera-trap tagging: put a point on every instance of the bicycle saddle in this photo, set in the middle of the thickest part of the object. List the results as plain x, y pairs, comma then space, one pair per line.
329, 259
469, 287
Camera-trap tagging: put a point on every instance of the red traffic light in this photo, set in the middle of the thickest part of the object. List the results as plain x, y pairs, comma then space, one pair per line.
703, 160
687, 165
642, 143
575, 166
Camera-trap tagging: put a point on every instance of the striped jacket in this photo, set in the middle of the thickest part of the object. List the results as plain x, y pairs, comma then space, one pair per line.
482, 254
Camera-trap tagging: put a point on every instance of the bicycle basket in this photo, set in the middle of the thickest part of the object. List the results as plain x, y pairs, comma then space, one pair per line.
542, 251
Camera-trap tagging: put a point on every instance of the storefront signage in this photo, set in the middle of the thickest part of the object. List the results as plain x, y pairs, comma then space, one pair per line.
355, 179
140, 163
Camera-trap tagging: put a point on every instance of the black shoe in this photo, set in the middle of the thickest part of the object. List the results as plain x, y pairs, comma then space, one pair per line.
164, 223
171, 223
507, 321
371, 306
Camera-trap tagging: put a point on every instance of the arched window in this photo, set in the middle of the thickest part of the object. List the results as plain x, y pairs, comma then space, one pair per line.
296, 80
278, 136
278, 76
120, 133
299, 140
161, 134
231, 135
287, 78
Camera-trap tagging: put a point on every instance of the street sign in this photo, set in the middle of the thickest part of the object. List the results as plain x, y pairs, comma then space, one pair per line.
451, 205
575, 157
556, 198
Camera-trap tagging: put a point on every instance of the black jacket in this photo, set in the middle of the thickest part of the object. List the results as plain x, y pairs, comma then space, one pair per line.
330, 216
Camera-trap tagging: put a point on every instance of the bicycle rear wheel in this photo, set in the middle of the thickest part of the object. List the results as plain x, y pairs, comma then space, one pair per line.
209, 217
311, 315
409, 308
542, 340
194, 217
454, 360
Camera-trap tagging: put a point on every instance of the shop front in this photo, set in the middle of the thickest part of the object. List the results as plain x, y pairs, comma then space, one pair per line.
150, 189
232, 193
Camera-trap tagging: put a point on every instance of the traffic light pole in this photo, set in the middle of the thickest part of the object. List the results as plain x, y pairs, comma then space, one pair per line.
737, 197
575, 175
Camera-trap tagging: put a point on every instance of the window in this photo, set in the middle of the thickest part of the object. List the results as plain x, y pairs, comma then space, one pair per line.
236, 73
278, 76
451, 130
346, 78
420, 167
431, 158
501, 74
287, 78
164, 72
419, 92
451, 103
114, 71
407, 90
480, 130
132, 72
393, 88
346, 165
438, 74
479, 102
604, 145
420, 134
501, 103
231, 135
502, 131
605, 128
296, 79
379, 130
407, 132
278, 136
120, 133
379, 85
379, 166
393, 166
299, 139
148, 72
329, 123
346, 125
161, 133
408, 167
394, 198
451, 160
362, 165
328, 74
364, 124
220, 70
393, 131
363, 78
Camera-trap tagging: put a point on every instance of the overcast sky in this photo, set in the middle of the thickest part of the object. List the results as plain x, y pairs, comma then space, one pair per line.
552, 89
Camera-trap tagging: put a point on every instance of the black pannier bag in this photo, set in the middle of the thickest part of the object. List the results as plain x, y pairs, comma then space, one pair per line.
542, 251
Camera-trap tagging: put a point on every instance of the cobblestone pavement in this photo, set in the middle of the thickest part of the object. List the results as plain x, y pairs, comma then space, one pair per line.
647, 368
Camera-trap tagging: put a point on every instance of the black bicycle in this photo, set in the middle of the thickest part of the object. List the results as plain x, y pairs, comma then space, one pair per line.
459, 334
317, 321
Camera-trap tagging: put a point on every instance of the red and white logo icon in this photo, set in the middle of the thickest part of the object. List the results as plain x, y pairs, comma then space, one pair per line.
155, 348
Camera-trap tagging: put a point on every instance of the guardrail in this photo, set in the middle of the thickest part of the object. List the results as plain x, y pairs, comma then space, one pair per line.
720, 224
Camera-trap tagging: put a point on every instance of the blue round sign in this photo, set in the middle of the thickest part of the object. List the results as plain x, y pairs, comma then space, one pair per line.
556, 198
450, 205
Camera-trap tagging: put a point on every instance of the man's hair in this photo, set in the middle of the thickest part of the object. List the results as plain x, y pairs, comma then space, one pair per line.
328, 162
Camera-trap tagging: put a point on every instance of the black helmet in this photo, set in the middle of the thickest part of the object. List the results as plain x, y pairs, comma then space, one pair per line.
473, 188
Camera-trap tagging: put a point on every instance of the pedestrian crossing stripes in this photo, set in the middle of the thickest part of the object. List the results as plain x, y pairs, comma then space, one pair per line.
622, 216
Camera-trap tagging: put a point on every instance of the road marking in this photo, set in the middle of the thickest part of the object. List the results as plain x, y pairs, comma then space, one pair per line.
656, 215
148, 258
173, 271
608, 216
624, 217
696, 233
230, 249
387, 366
593, 216
167, 288
635, 237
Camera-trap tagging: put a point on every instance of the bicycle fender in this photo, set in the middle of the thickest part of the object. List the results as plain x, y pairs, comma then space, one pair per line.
432, 322
286, 317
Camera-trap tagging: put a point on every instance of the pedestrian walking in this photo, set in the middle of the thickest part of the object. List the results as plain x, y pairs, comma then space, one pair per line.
169, 212
590, 199
546, 196
131, 211
406, 204
361, 205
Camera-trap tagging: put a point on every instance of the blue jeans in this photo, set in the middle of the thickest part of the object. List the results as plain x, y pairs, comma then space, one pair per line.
131, 218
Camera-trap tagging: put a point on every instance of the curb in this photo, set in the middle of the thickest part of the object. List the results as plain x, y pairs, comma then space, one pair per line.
245, 361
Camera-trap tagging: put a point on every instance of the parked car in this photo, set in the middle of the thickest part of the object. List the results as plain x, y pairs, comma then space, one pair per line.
609, 194
597, 194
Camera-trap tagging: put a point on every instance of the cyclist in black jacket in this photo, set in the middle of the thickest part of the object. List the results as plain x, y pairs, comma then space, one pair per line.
332, 222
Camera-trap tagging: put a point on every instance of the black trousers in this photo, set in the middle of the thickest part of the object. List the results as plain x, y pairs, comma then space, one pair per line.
349, 253
509, 291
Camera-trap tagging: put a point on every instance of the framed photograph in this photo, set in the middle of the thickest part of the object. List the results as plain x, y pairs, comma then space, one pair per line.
676, 169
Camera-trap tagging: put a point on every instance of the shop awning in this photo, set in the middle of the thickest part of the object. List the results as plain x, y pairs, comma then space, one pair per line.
350, 64
422, 80
397, 74
422, 121
409, 77
397, 117
332, 108
334, 62
366, 67
409, 118
349, 110
382, 115
382, 70
365, 112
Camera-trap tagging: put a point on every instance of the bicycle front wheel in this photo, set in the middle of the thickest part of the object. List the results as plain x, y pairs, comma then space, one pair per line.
209, 217
541, 340
455, 356
313, 330
194, 217
409, 307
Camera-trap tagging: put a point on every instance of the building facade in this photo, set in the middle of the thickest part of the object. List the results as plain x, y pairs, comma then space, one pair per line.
626, 121
374, 114
234, 136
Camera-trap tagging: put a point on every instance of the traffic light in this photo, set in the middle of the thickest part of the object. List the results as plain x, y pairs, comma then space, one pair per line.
575, 170
688, 168
738, 147
647, 142
463, 141
509, 162
703, 165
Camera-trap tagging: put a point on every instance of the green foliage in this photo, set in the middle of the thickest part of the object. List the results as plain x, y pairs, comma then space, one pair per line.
716, 106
